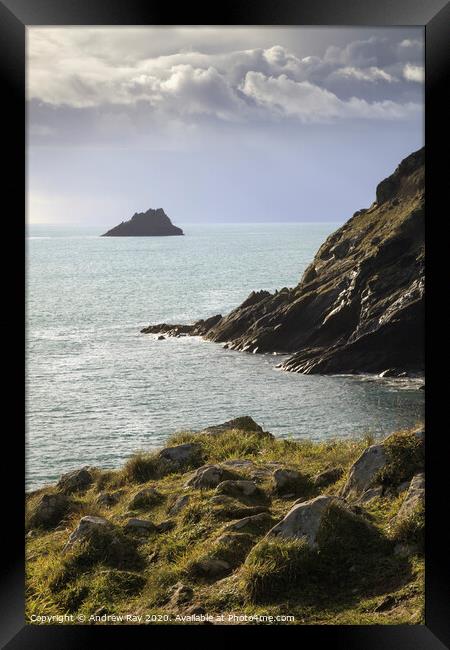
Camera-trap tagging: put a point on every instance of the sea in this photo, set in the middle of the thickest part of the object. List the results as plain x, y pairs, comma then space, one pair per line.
97, 390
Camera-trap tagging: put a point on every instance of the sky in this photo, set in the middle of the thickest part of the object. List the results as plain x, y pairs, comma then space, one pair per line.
217, 124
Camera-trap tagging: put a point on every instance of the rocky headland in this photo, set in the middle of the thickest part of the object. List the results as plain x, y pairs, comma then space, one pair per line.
153, 223
230, 521
359, 306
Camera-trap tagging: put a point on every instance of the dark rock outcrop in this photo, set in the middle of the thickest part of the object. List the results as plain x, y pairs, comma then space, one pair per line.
77, 480
359, 306
199, 328
49, 510
153, 223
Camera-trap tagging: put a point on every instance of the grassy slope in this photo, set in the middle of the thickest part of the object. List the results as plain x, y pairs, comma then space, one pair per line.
368, 585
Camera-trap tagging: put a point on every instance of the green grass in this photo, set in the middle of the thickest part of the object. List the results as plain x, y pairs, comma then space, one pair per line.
345, 581
142, 467
410, 529
273, 567
405, 452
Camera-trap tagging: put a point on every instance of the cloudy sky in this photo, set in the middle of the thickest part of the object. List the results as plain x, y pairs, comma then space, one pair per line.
217, 124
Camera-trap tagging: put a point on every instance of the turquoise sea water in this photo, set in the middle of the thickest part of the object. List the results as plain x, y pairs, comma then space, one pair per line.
97, 389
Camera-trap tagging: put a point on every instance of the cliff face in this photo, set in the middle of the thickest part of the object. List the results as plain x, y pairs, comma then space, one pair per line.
359, 305
153, 223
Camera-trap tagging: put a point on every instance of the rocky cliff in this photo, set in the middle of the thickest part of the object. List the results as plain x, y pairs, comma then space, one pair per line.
153, 223
358, 306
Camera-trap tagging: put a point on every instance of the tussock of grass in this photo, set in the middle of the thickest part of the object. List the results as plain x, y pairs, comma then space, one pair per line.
351, 561
343, 537
273, 566
234, 444
233, 547
113, 583
142, 467
146, 500
110, 548
410, 529
107, 479
405, 452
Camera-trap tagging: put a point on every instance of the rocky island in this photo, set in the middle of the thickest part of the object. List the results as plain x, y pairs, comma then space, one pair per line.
232, 522
153, 223
359, 306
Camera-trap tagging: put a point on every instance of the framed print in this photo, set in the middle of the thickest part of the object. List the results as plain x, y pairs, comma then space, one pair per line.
222, 296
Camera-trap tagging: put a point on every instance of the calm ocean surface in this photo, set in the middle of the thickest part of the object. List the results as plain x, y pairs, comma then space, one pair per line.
97, 389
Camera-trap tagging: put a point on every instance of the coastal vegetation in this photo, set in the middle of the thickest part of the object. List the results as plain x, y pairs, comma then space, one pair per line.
231, 521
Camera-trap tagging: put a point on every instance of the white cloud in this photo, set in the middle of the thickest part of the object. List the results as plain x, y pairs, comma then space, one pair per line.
372, 74
82, 69
302, 100
414, 73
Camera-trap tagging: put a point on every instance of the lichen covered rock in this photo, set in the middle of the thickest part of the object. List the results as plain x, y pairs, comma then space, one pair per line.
49, 510
364, 471
185, 455
303, 521
86, 526
238, 489
77, 480
144, 498
209, 476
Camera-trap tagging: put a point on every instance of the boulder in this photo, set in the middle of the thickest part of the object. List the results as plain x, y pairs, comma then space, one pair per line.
140, 526
286, 480
403, 487
77, 480
86, 526
223, 500
303, 521
165, 526
211, 567
240, 463
238, 488
180, 594
244, 423
254, 471
108, 499
187, 454
232, 509
229, 538
370, 494
145, 497
259, 523
327, 477
415, 497
233, 547
209, 476
363, 472
180, 503
49, 510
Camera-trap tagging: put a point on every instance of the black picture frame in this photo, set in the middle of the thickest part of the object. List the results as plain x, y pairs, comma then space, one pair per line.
15, 16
